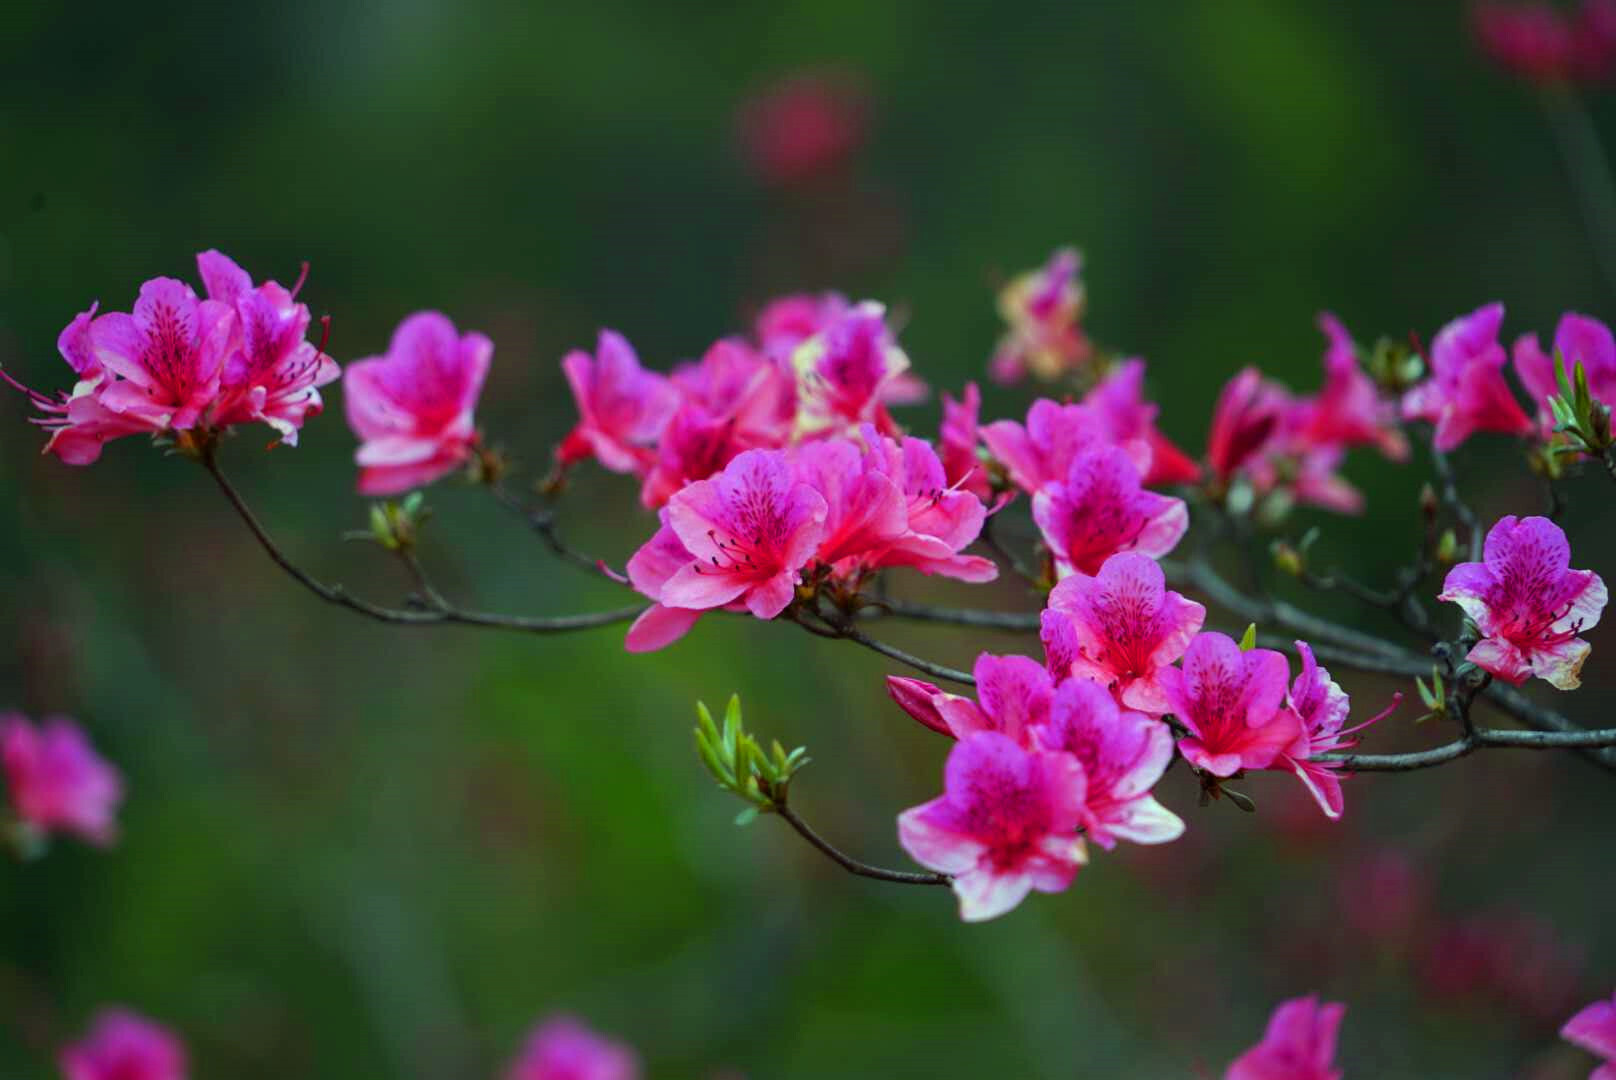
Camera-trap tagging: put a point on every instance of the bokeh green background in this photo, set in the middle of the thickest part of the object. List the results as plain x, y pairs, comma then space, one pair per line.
360, 851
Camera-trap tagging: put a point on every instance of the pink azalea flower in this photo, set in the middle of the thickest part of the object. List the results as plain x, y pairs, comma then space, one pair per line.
802, 128
749, 530
123, 1046
1594, 1029
1041, 452
1123, 754
1120, 403
412, 408
1126, 628
622, 408
866, 511
649, 568
1230, 702
1248, 417
1466, 392
1006, 824
1322, 707
1527, 603
57, 780
1350, 410
78, 423
1541, 43
787, 321
844, 372
562, 1048
942, 520
1578, 339
1043, 309
1101, 509
1298, 1045
272, 374
957, 438
1013, 697
168, 355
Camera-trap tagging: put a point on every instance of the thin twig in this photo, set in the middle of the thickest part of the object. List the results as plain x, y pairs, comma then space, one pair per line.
852, 865
1479, 739
1455, 502
543, 522
941, 671
435, 615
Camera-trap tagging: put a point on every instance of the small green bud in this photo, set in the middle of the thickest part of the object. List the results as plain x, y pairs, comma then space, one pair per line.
1447, 548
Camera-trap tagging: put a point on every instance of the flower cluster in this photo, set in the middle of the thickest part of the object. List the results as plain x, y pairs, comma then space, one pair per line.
176, 363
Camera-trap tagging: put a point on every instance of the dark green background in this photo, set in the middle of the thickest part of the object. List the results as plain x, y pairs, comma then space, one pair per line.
361, 851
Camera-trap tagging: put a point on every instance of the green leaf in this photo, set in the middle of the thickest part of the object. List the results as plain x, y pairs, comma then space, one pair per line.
747, 816
1248, 640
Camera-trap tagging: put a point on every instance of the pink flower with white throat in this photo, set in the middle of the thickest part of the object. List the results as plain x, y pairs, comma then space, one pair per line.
1466, 392
622, 408
749, 530
1321, 706
1298, 1045
1126, 628
58, 782
1006, 824
845, 371
1123, 754
121, 1045
1594, 1029
1527, 603
1101, 509
413, 407
272, 373
563, 1048
1231, 702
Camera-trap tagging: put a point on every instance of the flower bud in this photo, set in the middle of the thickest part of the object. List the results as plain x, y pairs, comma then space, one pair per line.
1447, 548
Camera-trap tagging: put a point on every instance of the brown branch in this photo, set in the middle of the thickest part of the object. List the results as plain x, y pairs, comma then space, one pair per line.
852, 865
1478, 739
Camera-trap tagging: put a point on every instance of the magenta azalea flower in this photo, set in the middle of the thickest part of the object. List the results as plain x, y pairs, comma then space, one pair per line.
1349, 410
168, 355
1231, 703
57, 780
272, 373
1042, 452
1125, 628
649, 568
1298, 1045
1527, 603
1119, 401
79, 424
1101, 509
958, 438
1466, 392
123, 1046
1123, 754
412, 408
1594, 1029
845, 371
1013, 697
1006, 824
749, 531
942, 520
622, 408
1043, 309
562, 1048
1246, 421
1321, 706
866, 511
1578, 339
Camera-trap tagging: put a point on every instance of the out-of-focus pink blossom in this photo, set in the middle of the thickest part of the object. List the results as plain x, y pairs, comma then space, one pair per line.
412, 408
1118, 400
1527, 603
1041, 452
1298, 1045
1231, 703
787, 321
844, 372
1123, 754
1006, 824
123, 1046
1126, 628
1043, 310
1384, 896
1321, 706
1247, 418
957, 442
272, 373
1505, 960
1466, 391
57, 780
622, 408
563, 1048
802, 128
1579, 339
1545, 44
1594, 1029
1101, 509
1349, 411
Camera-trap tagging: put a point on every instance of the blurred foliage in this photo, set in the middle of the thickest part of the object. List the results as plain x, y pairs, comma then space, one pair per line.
360, 851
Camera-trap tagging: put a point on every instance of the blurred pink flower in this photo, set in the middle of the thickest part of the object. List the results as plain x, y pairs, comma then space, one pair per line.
845, 371
1466, 391
622, 408
57, 780
413, 407
1594, 1029
1384, 896
1043, 310
1230, 702
1579, 339
1246, 419
802, 128
562, 1048
1298, 1045
1119, 402
123, 1046
1101, 509
958, 439
1545, 44
1006, 824
1527, 603
1350, 410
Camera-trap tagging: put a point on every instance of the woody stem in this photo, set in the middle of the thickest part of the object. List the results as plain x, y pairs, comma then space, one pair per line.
850, 864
